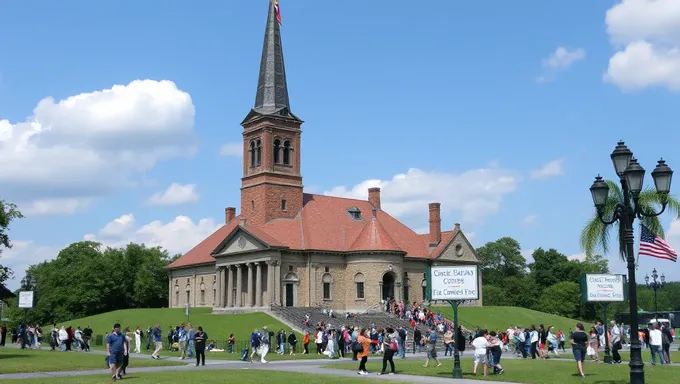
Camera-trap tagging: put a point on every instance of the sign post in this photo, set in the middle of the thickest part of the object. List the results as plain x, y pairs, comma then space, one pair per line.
187, 312
25, 302
603, 289
454, 285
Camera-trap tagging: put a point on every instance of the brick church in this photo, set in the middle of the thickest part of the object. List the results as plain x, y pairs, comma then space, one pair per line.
291, 248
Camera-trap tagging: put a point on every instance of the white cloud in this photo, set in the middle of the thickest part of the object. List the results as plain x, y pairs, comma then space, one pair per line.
560, 60
22, 255
176, 194
528, 255
577, 257
177, 236
552, 168
530, 219
92, 144
232, 150
56, 206
476, 194
646, 34
563, 58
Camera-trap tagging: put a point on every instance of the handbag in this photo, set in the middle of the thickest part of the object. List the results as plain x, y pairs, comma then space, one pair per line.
393, 346
357, 347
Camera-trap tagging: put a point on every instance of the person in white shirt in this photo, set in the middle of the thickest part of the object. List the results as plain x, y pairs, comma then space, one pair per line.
616, 342
138, 340
511, 335
481, 344
655, 343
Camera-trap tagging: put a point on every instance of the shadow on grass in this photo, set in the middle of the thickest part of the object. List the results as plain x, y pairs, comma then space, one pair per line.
609, 381
11, 356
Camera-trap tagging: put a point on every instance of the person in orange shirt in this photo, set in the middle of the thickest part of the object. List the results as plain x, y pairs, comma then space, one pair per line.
305, 342
364, 341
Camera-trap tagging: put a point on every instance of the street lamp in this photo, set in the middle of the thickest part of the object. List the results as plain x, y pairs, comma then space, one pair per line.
655, 284
631, 176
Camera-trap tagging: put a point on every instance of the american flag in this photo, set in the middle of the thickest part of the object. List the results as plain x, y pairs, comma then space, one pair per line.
654, 246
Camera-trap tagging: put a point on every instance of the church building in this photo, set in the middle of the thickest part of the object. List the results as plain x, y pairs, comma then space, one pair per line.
291, 248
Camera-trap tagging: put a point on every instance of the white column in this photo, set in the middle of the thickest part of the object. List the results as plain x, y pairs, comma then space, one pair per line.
230, 286
249, 293
258, 284
218, 298
239, 285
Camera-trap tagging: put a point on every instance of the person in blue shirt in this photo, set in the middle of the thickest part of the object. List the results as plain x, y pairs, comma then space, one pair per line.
116, 349
192, 334
157, 335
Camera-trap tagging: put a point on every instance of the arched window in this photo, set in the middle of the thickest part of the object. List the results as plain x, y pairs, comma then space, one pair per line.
286, 152
359, 281
258, 150
202, 292
252, 153
277, 148
327, 281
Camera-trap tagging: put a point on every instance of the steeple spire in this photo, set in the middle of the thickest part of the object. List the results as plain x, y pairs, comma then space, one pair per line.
272, 90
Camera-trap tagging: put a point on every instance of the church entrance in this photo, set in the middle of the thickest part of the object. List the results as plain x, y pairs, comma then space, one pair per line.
290, 297
388, 285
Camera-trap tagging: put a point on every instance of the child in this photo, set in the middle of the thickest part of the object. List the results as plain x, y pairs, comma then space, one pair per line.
481, 344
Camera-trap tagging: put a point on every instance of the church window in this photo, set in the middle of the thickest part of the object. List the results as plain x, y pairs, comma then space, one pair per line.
327, 282
407, 284
290, 268
355, 213
277, 148
202, 297
359, 281
286, 152
326, 269
252, 153
283, 205
258, 150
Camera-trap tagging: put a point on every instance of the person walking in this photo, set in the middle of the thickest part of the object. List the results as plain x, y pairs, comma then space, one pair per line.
616, 342
182, 338
157, 335
578, 347
481, 345
362, 350
191, 333
390, 347
115, 350
264, 344
431, 341
656, 343
126, 357
292, 341
138, 340
199, 342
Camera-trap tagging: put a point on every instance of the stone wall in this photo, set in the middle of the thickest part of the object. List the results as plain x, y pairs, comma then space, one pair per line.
196, 286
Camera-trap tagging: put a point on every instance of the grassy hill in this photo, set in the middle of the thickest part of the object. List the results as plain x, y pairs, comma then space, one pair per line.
493, 318
218, 327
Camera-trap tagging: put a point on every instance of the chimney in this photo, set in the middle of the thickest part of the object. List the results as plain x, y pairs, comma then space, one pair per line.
435, 224
229, 214
456, 227
242, 223
374, 197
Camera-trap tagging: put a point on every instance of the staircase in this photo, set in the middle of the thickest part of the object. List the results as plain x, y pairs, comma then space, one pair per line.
295, 316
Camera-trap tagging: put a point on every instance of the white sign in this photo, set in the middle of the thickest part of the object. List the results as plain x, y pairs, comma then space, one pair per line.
26, 299
454, 283
604, 288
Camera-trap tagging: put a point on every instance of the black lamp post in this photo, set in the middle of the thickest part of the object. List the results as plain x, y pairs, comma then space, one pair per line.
631, 176
655, 284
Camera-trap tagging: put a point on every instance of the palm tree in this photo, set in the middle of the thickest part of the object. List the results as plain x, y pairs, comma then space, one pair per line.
596, 235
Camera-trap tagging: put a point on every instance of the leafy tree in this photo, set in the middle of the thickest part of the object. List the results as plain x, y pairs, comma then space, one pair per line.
501, 259
549, 267
595, 235
8, 213
521, 291
562, 299
495, 296
84, 280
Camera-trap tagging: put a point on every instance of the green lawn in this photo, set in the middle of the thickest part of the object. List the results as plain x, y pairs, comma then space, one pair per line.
209, 377
532, 371
15, 360
218, 327
493, 318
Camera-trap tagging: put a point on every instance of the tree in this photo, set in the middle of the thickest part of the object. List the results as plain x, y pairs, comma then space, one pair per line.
596, 235
549, 267
494, 296
561, 299
501, 259
8, 213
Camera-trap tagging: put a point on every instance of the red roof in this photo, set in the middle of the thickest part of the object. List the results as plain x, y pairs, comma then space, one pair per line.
324, 224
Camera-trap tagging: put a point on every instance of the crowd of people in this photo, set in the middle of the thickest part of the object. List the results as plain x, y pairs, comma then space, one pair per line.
63, 338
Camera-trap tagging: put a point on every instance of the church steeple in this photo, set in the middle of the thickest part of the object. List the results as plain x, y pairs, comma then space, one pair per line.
272, 90
271, 186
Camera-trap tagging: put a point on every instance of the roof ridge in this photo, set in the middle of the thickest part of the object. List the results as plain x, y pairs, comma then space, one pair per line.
336, 197
379, 231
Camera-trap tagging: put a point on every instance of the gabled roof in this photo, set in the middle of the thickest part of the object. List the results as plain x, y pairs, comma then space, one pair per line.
324, 224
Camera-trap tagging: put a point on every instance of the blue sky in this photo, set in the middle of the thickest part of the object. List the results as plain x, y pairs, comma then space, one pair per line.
503, 111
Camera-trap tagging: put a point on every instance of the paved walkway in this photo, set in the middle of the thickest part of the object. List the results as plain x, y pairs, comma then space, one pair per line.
300, 366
